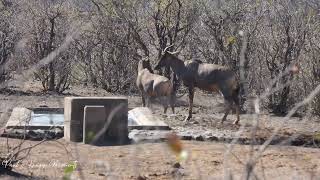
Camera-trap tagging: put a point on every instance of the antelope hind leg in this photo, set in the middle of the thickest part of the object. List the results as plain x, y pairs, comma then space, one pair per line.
225, 115
172, 102
237, 106
165, 105
228, 108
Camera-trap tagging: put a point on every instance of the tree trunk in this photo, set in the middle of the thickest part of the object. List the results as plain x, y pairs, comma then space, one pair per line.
282, 107
51, 65
51, 77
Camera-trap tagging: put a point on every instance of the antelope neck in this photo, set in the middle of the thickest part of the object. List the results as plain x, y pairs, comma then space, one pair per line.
177, 65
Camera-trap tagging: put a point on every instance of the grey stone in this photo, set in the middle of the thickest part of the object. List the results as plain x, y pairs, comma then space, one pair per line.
143, 118
74, 113
20, 117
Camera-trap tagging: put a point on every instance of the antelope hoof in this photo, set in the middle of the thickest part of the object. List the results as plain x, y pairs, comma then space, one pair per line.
222, 120
236, 122
187, 119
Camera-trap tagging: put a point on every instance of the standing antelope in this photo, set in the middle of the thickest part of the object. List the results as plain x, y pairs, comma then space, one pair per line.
209, 77
153, 85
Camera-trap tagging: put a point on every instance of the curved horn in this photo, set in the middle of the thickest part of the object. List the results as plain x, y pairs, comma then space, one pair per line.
173, 53
165, 49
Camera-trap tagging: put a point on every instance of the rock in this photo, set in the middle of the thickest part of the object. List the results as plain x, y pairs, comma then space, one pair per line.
186, 138
140, 177
178, 173
101, 174
199, 138
177, 165
195, 122
211, 138
197, 118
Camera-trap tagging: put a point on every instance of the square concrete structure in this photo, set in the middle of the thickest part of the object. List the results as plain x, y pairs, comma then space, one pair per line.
74, 115
96, 127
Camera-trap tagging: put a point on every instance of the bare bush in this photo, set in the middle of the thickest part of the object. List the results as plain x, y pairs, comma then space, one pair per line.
278, 35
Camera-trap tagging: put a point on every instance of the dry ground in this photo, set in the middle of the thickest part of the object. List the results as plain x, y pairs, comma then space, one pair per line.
154, 160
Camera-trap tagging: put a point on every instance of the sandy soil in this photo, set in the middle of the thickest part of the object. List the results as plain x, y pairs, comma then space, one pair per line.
155, 160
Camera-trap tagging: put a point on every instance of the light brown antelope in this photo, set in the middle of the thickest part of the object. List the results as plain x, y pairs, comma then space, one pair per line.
153, 86
209, 77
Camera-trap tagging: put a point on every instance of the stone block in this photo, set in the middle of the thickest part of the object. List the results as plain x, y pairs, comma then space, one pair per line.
143, 118
117, 107
20, 117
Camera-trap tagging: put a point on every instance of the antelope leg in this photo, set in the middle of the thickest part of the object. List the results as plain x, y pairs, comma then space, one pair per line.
143, 100
191, 95
225, 115
228, 108
165, 109
236, 122
172, 101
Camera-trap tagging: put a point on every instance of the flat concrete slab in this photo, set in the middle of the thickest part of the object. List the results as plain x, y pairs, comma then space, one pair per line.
115, 107
20, 116
35, 118
35, 123
143, 118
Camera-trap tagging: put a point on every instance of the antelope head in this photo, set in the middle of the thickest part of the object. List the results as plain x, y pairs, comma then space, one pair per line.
165, 58
145, 64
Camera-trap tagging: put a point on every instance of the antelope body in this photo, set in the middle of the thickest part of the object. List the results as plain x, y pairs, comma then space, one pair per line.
152, 86
209, 77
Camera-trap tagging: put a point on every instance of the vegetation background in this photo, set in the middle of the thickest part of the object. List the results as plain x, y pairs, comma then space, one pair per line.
105, 40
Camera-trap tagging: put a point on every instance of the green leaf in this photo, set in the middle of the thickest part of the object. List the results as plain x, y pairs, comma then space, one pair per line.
231, 40
90, 135
70, 168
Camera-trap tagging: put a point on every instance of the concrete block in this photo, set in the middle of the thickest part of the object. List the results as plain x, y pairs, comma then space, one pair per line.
100, 129
143, 118
74, 115
20, 117
94, 121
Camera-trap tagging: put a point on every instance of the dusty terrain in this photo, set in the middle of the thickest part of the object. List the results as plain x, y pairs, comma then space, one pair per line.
155, 160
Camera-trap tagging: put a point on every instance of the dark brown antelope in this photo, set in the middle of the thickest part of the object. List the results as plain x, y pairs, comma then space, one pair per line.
209, 77
153, 86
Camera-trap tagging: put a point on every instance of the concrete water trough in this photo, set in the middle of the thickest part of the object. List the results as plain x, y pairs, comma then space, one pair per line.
81, 120
35, 118
35, 123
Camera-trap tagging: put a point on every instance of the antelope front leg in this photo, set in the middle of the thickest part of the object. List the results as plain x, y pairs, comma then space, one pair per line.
191, 95
143, 101
236, 122
143, 98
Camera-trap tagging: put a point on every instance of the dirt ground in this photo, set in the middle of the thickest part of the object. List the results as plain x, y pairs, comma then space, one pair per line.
207, 160
155, 161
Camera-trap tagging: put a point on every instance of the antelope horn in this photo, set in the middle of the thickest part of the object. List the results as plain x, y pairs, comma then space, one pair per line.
173, 53
165, 49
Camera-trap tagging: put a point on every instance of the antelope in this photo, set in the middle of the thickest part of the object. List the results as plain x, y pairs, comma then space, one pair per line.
153, 85
208, 77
